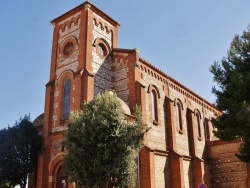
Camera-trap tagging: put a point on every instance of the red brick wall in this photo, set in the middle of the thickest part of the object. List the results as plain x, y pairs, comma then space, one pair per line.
226, 169
170, 157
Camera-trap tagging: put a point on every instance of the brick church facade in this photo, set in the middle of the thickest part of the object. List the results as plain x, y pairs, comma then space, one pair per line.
179, 150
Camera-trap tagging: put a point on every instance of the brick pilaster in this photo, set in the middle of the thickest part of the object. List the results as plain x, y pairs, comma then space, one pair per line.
176, 169
171, 133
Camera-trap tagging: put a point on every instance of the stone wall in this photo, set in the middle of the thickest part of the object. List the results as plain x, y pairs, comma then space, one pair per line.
120, 76
188, 175
56, 147
162, 173
156, 137
101, 66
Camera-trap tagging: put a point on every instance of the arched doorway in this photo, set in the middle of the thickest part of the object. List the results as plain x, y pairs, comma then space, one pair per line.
61, 179
56, 175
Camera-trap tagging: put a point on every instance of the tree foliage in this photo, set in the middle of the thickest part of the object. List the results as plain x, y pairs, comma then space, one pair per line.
102, 145
19, 149
233, 94
6, 185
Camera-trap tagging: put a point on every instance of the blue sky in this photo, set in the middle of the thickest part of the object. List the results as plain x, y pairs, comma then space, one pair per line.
182, 38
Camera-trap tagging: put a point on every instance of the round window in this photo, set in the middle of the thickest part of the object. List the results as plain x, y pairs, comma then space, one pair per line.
68, 48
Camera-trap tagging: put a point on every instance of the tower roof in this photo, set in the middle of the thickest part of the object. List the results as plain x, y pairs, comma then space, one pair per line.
87, 4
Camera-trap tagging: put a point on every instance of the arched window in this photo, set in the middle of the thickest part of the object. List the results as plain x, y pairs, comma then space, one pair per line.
66, 99
179, 116
206, 129
154, 93
101, 49
198, 124
154, 105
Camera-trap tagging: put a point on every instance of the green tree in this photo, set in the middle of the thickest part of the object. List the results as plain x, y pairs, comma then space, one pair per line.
5, 185
19, 149
233, 94
103, 145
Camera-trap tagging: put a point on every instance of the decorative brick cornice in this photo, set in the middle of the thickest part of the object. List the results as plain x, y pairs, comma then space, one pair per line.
174, 84
68, 24
90, 7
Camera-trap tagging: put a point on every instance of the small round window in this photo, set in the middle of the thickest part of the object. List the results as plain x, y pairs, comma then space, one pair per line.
68, 48
102, 49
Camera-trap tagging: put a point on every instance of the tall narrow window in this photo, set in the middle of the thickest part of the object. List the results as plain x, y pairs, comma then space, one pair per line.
154, 106
66, 99
206, 129
198, 125
179, 117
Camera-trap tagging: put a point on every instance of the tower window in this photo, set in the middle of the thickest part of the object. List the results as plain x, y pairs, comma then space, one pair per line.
68, 48
179, 117
154, 94
66, 99
198, 125
102, 49
154, 106
206, 129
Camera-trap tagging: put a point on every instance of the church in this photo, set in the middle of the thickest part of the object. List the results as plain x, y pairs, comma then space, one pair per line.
180, 149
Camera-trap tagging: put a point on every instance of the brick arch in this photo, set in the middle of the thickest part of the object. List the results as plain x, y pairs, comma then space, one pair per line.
55, 163
179, 114
68, 74
196, 111
141, 67
55, 169
107, 29
78, 19
152, 74
120, 60
95, 22
72, 24
103, 26
72, 39
155, 94
102, 40
197, 114
112, 34
64, 26
151, 87
148, 71
178, 100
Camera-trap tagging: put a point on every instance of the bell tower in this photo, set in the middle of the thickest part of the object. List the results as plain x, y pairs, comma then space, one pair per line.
83, 39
